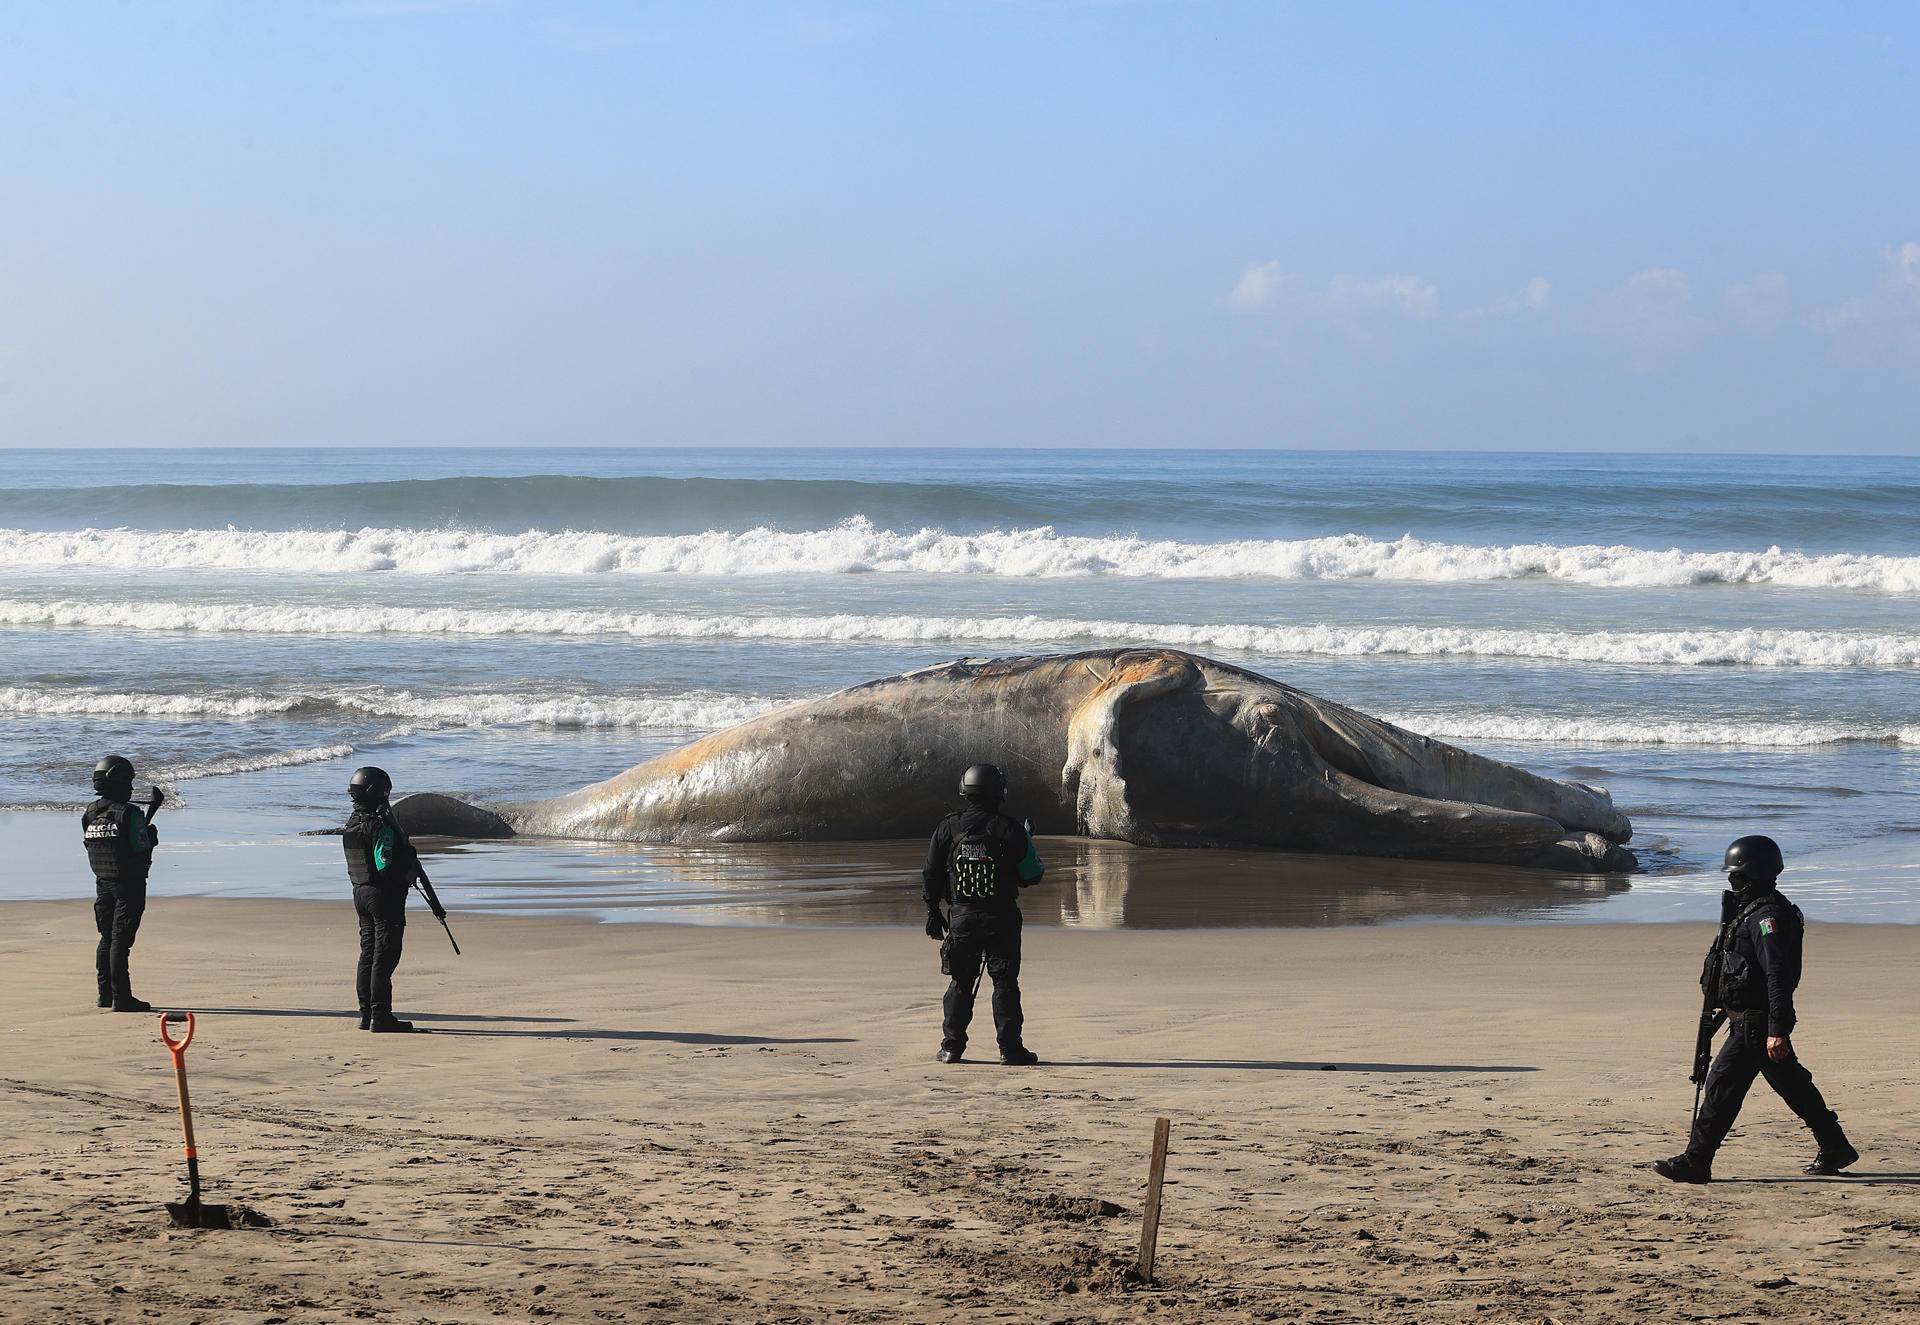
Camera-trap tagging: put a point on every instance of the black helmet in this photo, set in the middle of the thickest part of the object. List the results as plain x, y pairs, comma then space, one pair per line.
113, 776
369, 786
1756, 857
983, 782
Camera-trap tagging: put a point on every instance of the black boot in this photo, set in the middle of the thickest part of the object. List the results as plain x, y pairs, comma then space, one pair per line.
106, 998
950, 1053
131, 1004
1684, 1168
366, 1019
389, 1025
1835, 1154
1018, 1056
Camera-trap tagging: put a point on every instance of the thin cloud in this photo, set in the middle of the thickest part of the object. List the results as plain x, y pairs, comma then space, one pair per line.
1533, 297
1258, 285
1869, 327
573, 35
1654, 313
1760, 302
1903, 269
1261, 286
1407, 295
401, 8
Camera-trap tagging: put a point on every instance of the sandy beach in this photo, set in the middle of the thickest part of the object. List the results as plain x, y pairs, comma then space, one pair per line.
646, 1122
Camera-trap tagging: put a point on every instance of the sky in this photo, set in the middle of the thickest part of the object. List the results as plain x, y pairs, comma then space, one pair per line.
1162, 223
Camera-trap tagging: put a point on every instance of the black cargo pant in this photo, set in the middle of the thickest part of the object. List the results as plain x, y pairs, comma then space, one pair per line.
981, 935
117, 908
1741, 1059
383, 925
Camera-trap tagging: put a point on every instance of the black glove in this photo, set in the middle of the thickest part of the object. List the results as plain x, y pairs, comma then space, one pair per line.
153, 837
936, 924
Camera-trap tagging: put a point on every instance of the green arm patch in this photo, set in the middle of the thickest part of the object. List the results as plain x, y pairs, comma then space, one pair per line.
1766, 928
137, 828
383, 848
1030, 867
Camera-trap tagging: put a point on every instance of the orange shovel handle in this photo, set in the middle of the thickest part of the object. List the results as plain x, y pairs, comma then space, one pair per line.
178, 1046
179, 1050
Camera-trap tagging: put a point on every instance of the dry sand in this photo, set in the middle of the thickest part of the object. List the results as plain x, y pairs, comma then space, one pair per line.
635, 1122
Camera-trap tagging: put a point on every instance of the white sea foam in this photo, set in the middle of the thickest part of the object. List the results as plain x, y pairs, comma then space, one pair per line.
1759, 648
230, 765
564, 710
1653, 729
856, 546
708, 712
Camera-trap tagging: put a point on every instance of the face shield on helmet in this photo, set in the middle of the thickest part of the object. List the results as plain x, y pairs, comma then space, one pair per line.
1753, 860
369, 787
113, 776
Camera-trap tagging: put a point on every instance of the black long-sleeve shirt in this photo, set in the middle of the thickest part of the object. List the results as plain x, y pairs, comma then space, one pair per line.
1770, 938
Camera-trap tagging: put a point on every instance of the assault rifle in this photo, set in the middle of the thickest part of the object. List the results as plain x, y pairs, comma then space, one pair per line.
425, 885
1711, 1019
1712, 1015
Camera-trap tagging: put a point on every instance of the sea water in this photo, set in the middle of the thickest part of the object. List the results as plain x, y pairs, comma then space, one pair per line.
1729, 644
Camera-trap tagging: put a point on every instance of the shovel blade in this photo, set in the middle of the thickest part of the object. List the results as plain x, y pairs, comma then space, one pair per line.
199, 1214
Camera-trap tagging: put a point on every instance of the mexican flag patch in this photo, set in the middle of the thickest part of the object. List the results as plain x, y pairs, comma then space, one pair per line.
1766, 928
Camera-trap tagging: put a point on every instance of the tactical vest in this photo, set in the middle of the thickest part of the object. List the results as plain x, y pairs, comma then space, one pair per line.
110, 828
375, 853
981, 869
1737, 982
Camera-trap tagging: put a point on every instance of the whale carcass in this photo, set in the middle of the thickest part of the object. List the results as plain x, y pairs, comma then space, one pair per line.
1150, 746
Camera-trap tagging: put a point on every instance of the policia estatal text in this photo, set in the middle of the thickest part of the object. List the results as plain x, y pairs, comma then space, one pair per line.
383, 865
120, 845
979, 860
1751, 973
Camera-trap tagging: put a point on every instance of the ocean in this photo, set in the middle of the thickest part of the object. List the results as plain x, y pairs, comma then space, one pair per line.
1731, 644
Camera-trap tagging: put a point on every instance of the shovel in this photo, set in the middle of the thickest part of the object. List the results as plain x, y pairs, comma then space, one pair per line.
192, 1212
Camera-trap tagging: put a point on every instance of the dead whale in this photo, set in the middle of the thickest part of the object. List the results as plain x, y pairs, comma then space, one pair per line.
1150, 746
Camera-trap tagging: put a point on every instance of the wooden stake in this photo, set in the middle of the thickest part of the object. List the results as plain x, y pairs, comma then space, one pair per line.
1150, 1223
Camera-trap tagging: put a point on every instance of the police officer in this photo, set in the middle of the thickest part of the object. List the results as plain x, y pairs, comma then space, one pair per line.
979, 860
382, 864
120, 845
1759, 943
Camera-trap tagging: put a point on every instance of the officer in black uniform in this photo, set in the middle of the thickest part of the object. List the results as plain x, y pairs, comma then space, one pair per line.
381, 862
1759, 949
979, 860
120, 845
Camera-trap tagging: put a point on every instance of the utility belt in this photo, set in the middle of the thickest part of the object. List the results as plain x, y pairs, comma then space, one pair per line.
1007, 906
384, 889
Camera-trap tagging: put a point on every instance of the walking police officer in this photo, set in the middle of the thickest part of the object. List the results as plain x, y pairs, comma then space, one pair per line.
120, 845
1759, 967
979, 860
382, 864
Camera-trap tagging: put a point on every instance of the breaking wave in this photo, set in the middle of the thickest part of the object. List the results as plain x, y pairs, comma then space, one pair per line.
694, 711
1750, 647
710, 712
232, 765
1519, 730
857, 546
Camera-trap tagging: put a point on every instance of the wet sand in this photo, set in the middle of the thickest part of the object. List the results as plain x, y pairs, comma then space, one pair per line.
665, 1123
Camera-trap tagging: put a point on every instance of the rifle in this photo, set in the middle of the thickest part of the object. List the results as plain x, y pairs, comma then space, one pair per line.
1711, 1019
1712, 1015
425, 885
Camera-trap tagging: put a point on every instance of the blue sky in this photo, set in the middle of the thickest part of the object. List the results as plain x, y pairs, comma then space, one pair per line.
413, 222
